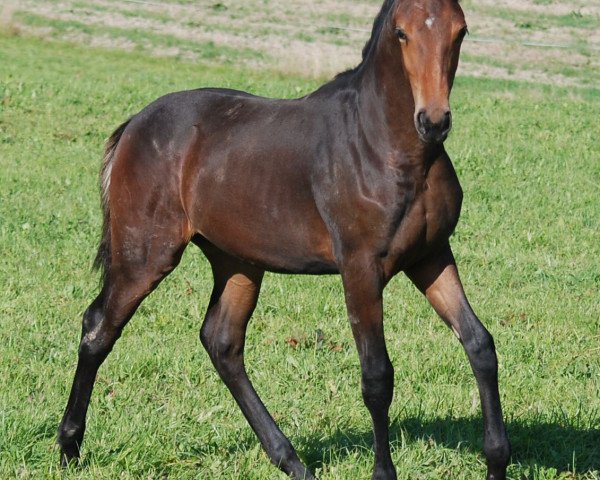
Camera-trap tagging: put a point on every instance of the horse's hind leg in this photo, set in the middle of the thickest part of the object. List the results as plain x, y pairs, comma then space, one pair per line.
234, 297
141, 257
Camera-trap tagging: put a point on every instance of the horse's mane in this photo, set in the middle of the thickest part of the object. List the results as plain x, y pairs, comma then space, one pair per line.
378, 25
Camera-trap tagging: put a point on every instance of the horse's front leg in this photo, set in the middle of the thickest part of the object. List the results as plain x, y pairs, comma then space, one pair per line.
438, 279
363, 286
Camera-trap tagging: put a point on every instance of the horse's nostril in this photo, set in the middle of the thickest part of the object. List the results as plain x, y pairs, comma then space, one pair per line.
421, 119
447, 121
433, 131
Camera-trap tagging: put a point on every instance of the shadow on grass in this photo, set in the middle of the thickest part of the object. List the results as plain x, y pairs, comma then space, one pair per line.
537, 444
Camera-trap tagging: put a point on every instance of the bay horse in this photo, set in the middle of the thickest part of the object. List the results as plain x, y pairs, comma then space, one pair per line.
352, 179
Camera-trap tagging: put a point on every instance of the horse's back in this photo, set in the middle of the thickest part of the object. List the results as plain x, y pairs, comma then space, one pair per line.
241, 168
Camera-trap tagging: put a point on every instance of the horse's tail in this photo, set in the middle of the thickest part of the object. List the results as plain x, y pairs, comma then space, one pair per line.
103, 257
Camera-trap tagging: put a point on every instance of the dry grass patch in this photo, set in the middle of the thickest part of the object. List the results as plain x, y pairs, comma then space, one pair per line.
554, 7
8, 25
305, 38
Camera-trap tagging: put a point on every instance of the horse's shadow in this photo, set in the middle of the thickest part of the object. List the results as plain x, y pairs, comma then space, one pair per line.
535, 443
540, 444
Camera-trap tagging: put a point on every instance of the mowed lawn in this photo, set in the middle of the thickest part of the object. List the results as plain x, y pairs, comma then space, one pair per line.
528, 246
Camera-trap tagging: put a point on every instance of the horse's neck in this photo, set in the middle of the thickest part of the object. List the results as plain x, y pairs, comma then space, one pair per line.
386, 102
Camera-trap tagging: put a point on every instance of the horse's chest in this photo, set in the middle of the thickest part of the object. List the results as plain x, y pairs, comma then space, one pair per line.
429, 219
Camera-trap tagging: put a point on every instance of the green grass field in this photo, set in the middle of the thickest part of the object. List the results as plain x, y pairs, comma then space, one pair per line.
528, 246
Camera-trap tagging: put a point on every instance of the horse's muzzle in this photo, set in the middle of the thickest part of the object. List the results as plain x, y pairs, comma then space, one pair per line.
433, 131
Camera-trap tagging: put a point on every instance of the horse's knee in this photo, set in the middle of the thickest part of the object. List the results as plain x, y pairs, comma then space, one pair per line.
479, 345
378, 384
224, 350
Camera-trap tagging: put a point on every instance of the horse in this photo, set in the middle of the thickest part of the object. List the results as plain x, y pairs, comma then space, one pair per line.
352, 179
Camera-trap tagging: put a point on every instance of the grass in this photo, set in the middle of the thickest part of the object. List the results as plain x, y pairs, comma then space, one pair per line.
143, 39
528, 246
540, 21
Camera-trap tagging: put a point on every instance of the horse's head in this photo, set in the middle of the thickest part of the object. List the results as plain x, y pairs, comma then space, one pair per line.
429, 34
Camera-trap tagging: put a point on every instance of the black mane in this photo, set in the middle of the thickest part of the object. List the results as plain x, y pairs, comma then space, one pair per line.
378, 25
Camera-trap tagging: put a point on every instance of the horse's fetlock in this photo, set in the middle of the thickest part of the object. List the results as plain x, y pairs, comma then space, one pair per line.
498, 453
283, 454
69, 434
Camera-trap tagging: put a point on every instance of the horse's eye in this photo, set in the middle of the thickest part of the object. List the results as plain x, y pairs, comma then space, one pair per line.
463, 33
401, 34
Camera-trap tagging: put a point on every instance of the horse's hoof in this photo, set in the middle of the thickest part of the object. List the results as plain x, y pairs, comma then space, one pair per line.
388, 473
69, 456
496, 475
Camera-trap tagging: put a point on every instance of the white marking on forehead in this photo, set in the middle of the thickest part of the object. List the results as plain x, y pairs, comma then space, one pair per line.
429, 22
